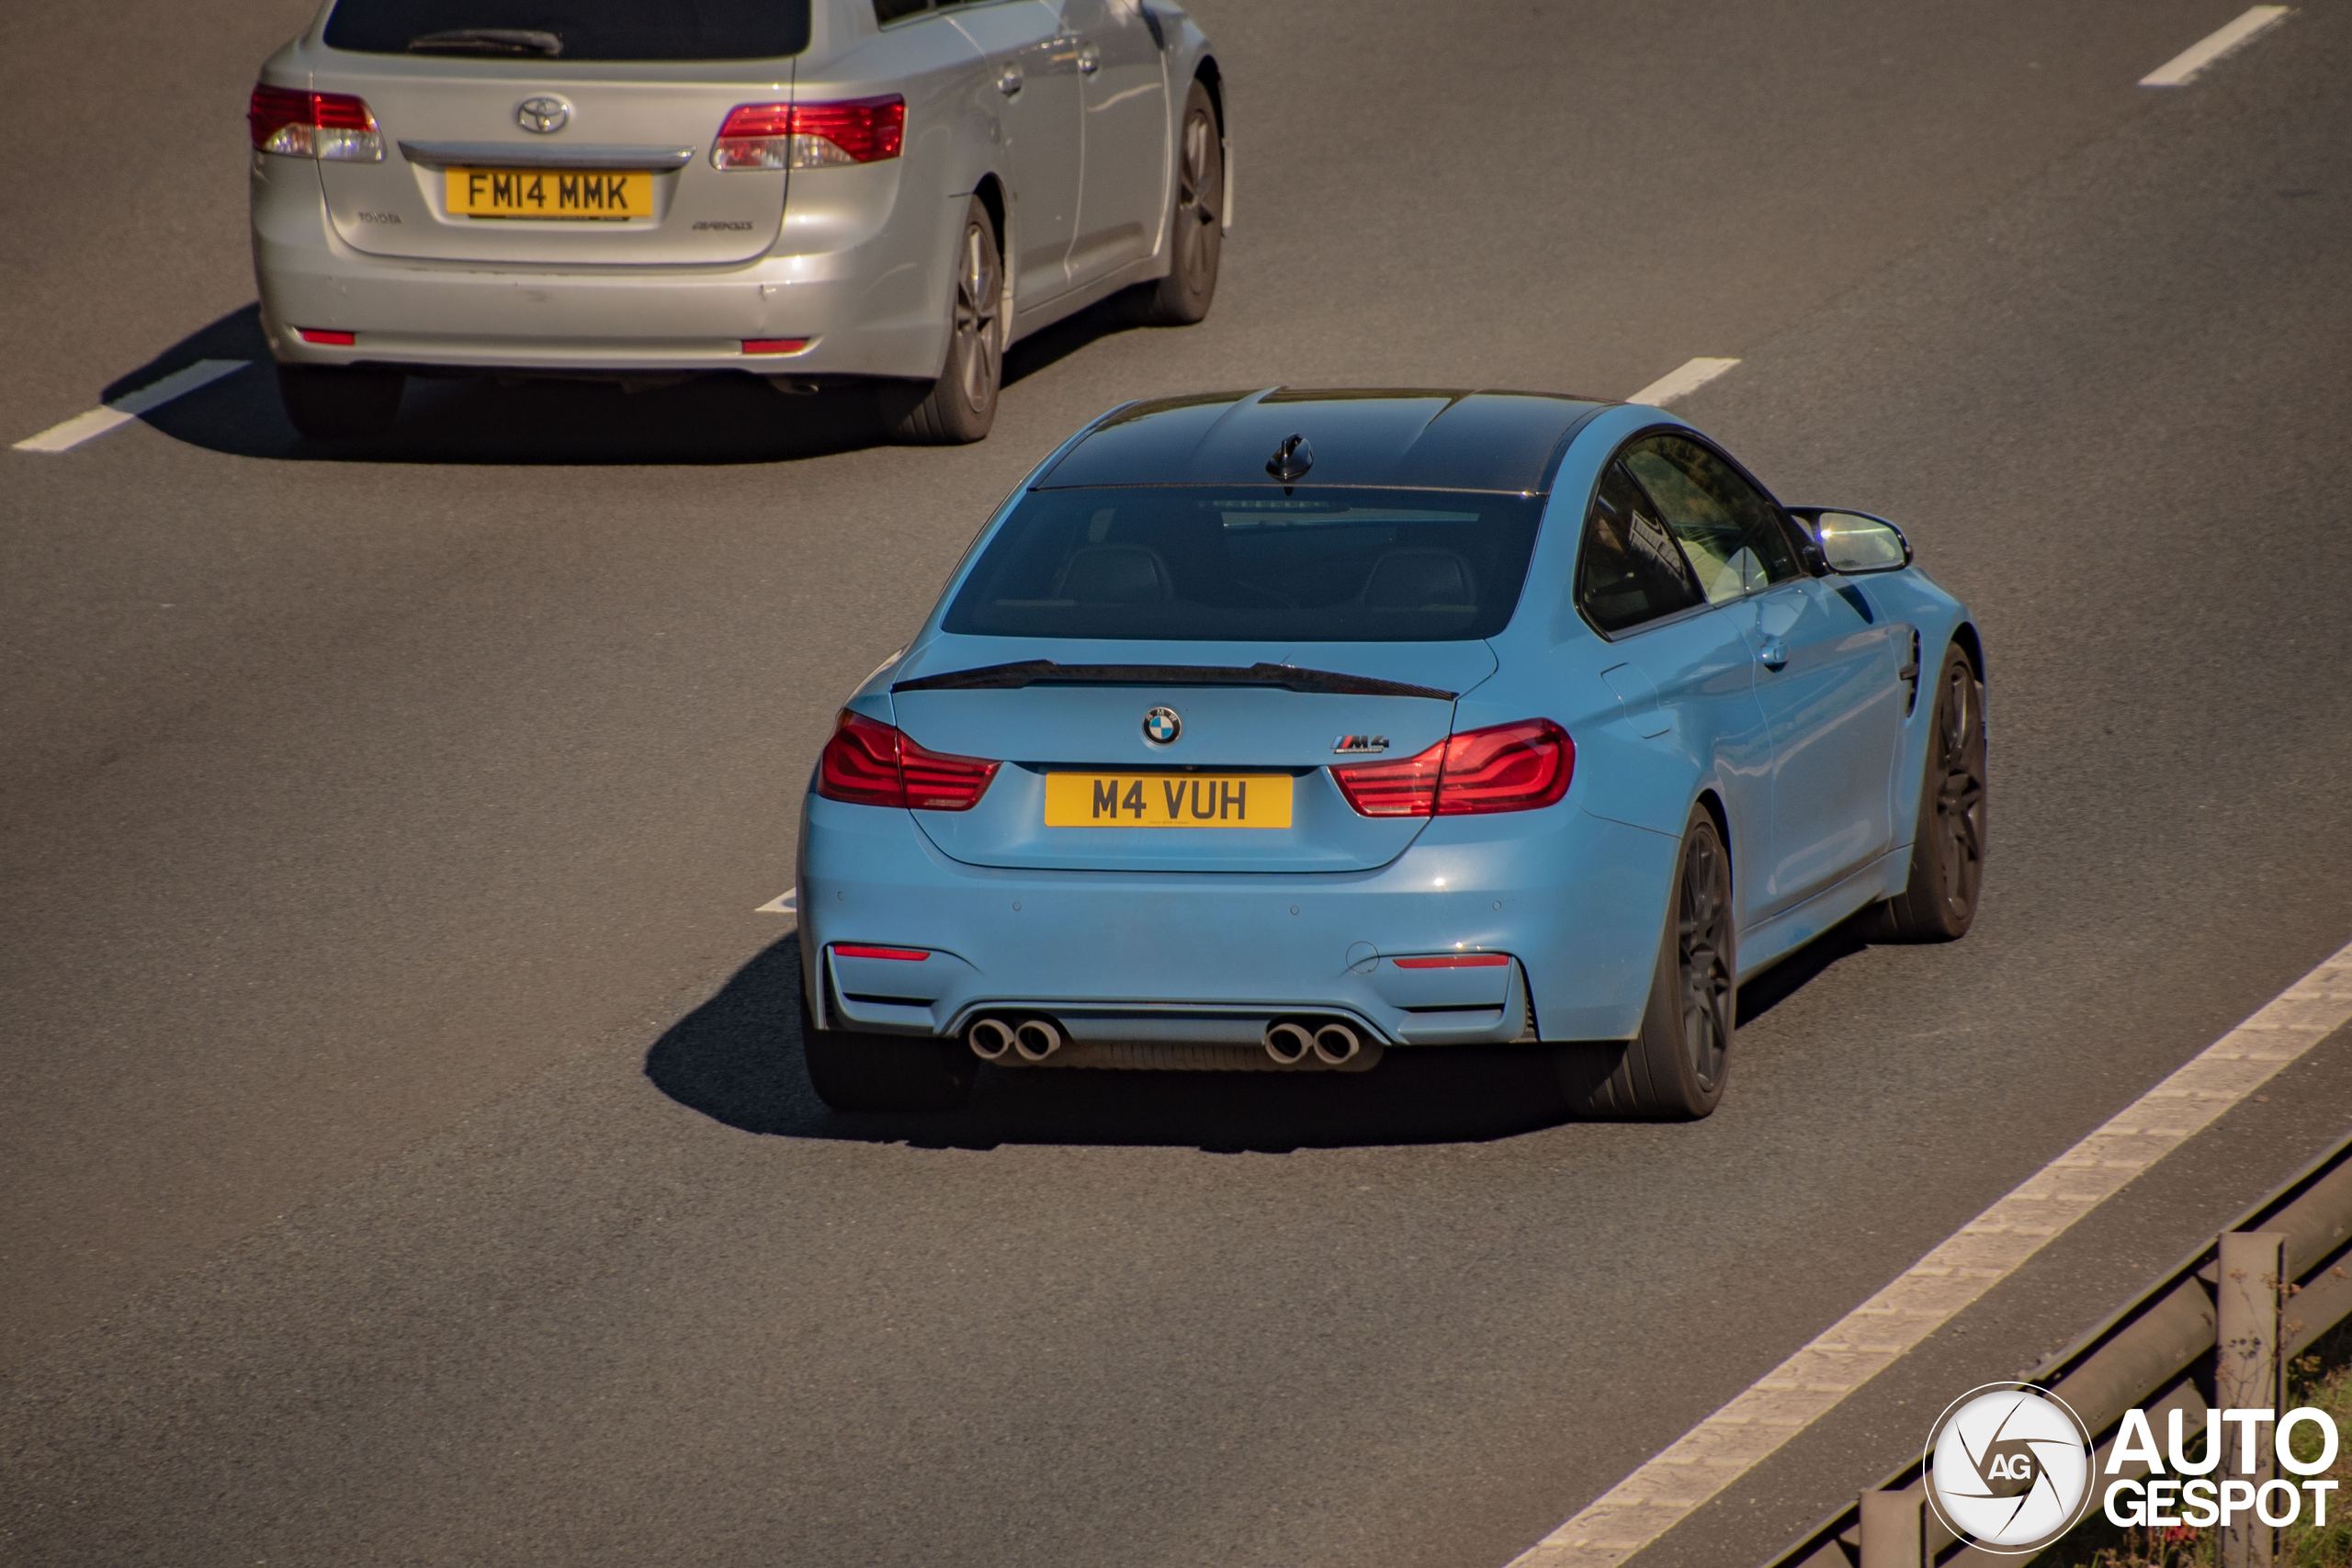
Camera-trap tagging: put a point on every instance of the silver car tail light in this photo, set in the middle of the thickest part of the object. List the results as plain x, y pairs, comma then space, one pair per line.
810, 136
333, 126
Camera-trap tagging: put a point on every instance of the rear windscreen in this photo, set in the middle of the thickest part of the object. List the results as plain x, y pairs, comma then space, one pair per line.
1251, 564
573, 29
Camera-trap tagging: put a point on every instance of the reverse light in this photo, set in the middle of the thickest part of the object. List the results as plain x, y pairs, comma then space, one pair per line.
1505, 767
1454, 961
810, 136
868, 762
333, 126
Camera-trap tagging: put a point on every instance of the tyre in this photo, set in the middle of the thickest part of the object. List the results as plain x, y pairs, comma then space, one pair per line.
331, 402
886, 1072
1939, 902
1197, 234
1673, 1070
961, 405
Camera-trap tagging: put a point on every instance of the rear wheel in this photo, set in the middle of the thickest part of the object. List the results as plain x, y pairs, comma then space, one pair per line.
961, 405
886, 1072
1196, 237
334, 403
1674, 1069
1938, 903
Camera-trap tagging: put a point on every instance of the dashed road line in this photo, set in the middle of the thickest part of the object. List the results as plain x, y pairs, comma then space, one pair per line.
1989, 1248
2183, 68
1693, 375
129, 406
785, 903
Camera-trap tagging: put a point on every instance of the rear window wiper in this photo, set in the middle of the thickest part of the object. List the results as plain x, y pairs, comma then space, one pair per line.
488, 41
1046, 673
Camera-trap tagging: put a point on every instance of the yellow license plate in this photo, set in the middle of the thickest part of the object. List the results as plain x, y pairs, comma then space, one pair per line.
595, 196
1167, 800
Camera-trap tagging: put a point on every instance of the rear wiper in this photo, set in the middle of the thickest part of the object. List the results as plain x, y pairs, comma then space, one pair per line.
1046, 673
488, 41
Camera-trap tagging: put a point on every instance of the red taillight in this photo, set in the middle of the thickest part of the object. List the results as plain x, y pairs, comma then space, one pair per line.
903, 955
810, 136
333, 126
775, 344
1507, 767
867, 763
1454, 961
328, 336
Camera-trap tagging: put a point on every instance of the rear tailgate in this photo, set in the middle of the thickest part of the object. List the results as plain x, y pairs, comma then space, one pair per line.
655, 121
1239, 745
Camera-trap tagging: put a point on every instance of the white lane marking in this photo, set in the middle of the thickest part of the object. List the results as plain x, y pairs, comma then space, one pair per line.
2182, 68
129, 406
1986, 1250
785, 903
1693, 375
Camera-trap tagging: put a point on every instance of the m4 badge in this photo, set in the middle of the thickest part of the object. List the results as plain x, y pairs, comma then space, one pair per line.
1358, 743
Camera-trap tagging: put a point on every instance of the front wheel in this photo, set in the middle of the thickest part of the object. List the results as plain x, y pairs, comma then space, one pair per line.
1196, 236
334, 403
961, 405
1939, 902
1673, 1070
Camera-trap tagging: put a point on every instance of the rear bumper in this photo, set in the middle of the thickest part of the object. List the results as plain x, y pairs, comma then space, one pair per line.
1578, 905
877, 307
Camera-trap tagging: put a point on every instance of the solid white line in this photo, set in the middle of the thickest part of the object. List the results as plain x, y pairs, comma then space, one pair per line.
785, 903
2182, 68
1693, 375
129, 406
1986, 1250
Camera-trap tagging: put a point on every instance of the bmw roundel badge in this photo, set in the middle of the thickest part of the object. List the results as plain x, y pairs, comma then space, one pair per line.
1161, 726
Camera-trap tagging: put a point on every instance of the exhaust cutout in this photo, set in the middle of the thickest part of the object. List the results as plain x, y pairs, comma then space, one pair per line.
1036, 1039
1288, 1043
1336, 1044
990, 1038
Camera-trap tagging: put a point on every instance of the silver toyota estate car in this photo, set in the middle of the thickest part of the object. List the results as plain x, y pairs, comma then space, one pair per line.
885, 192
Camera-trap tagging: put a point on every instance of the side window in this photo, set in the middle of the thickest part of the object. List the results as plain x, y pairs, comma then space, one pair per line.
888, 11
1628, 569
1732, 534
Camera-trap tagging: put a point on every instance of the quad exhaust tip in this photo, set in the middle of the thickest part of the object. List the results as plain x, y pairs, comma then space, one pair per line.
1332, 1043
1033, 1039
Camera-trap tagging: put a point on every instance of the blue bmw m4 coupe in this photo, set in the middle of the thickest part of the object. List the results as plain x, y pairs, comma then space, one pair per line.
1273, 731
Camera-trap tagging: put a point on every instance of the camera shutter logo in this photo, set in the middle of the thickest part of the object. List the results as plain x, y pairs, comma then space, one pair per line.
2008, 1468
543, 117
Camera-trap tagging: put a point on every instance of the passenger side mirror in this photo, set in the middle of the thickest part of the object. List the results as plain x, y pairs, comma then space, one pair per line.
1854, 542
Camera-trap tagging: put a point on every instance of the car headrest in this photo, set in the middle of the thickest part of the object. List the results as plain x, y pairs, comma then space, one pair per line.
1420, 580
1114, 574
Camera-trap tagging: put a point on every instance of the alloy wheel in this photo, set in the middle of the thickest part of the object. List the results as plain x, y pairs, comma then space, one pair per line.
1702, 928
1959, 794
978, 303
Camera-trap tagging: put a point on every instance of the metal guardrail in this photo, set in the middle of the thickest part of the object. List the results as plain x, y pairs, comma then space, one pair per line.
2158, 1354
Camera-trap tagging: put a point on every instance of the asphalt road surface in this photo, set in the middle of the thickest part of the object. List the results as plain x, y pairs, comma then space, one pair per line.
406, 1157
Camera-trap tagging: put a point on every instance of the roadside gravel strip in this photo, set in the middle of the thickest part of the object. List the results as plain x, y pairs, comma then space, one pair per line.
1932, 1291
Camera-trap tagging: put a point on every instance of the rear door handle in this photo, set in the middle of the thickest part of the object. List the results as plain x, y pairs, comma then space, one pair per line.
1773, 655
1008, 81
1090, 60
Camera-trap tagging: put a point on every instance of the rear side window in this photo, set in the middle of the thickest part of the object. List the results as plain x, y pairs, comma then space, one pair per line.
1629, 569
1729, 530
573, 29
1251, 564
899, 10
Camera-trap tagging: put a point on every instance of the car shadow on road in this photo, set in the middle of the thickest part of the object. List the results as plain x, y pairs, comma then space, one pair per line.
737, 1060
718, 419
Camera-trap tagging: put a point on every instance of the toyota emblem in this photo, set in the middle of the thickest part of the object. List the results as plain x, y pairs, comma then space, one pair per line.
543, 117
1161, 726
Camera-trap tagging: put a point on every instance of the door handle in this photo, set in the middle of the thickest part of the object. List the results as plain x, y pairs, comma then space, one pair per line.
1090, 61
1008, 81
1773, 655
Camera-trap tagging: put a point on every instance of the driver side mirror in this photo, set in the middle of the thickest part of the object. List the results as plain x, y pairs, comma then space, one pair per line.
1854, 542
